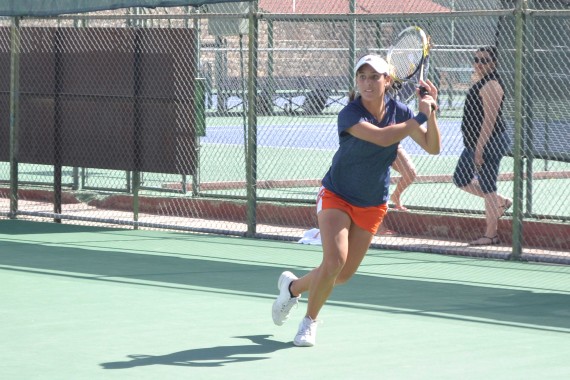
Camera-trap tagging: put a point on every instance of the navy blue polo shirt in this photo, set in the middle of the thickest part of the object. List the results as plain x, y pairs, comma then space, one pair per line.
360, 170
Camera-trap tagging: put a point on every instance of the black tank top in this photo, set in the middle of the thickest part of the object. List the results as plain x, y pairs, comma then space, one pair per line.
473, 114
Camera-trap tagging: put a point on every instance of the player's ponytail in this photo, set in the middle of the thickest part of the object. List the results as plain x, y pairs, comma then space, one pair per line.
353, 94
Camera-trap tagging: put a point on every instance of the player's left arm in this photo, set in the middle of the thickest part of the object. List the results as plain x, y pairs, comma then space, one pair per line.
429, 138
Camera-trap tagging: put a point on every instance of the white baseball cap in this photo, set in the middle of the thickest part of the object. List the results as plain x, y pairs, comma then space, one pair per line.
376, 62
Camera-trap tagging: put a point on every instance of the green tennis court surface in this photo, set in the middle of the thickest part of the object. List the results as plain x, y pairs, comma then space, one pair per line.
100, 303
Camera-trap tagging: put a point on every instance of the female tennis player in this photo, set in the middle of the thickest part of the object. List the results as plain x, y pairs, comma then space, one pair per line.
353, 199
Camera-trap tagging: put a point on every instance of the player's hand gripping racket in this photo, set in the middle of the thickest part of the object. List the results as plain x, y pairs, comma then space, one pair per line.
409, 57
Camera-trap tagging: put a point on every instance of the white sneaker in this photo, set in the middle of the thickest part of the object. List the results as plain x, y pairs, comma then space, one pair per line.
284, 302
307, 334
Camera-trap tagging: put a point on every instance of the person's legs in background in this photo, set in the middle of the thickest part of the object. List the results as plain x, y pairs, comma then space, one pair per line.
485, 187
495, 203
404, 165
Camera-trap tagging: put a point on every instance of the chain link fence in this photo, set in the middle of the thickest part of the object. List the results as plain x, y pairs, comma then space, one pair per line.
222, 118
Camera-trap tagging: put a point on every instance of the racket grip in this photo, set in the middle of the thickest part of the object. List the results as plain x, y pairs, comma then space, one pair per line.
424, 92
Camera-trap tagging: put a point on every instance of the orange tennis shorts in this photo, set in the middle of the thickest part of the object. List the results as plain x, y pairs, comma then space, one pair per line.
367, 218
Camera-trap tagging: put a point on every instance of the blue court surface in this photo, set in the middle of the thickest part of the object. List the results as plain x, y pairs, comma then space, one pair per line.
313, 133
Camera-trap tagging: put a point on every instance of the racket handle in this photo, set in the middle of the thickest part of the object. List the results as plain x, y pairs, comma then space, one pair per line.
424, 92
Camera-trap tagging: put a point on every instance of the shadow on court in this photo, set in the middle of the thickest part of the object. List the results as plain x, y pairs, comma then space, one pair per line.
415, 297
21, 227
209, 356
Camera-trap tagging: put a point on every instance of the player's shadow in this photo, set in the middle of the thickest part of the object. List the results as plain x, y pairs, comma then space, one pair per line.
207, 357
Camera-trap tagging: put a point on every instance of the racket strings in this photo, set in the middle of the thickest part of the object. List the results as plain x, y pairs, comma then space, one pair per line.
406, 55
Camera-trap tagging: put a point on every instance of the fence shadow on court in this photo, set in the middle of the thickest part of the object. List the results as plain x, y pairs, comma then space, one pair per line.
471, 302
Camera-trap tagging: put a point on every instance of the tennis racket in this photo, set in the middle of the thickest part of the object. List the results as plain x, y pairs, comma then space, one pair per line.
409, 58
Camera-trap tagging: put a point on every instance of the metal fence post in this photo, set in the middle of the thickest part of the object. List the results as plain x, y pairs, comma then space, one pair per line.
518, 134
201, 91
200, 109
14, 113
529, 68
251, 159
352, 43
